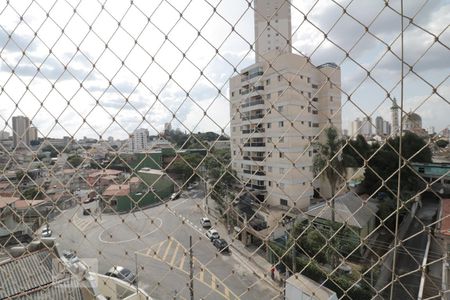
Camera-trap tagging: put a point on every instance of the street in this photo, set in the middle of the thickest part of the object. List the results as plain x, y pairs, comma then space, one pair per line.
156, 240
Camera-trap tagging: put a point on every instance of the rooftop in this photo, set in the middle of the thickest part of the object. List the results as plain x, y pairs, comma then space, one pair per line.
35, 275
4, 201
117, 190
105, 172
350, 208
310, 287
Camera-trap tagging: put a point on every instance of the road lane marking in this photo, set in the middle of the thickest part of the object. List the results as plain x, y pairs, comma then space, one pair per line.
183, 258
174, 256
213, 281
167, 250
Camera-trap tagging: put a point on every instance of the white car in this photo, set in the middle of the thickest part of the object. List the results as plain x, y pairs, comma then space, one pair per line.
206, 223
46, 232
212, 234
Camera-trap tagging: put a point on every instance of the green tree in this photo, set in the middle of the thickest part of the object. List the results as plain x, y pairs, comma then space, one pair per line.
383, 165
356, 151
75, 160
328, 162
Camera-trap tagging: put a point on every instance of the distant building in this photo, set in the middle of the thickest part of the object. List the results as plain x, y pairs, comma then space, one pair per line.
21, 131
386, 128
395, 117
4, 135
356, 127
379, 124
138, 141
299, 287
366, 127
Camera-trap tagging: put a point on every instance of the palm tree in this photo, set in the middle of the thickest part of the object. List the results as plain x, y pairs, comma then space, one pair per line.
329, 163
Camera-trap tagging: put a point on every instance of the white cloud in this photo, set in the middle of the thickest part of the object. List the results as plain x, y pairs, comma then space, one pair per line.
160, 45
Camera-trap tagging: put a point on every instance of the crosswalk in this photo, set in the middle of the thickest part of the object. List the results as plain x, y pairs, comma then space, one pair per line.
82, 223
174, 254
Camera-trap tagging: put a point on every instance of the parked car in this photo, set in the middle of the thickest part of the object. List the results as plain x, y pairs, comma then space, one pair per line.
46, 232
212, 234
70, 256
206, 223
122, 273
221, 245
86, 212
175, 196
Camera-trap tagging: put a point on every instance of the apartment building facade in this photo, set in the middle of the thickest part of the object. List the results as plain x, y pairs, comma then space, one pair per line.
279, 106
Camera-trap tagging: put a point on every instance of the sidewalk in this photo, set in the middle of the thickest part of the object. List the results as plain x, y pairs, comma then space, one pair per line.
249, 257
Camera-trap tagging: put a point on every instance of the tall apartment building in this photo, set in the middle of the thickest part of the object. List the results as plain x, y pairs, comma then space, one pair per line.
278, 106
21, 131
138, 141
379, 124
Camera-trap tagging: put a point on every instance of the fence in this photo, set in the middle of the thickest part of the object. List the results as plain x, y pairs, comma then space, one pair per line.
306, 133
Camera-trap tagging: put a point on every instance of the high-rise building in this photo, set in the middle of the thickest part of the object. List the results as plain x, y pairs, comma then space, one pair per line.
379, 126
395, 117
366, 127
21, 131
33, 133
356, 127
386, 128
278, 105
138, 141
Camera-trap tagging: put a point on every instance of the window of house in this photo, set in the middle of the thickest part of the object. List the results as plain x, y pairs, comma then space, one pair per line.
234, 152
268, 96
269, 169
269, 183
279, 77
308, 79
280, 123
269, 125
267, 81
309, 124
280, 108
283, 202
281, 154
331, 98
280, 92
232, 94
309, 153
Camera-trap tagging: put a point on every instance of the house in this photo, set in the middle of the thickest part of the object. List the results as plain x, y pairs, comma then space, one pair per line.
299, 287
350, 209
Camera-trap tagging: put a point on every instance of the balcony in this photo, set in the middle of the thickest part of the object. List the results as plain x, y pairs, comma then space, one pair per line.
255, 130
251, 75
254, 158
257, 173
256, 187
253, 103
254, 144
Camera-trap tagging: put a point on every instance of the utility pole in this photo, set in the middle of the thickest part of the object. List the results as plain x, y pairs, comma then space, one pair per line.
191, 269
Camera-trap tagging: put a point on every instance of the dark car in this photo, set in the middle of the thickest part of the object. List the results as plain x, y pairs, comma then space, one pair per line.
86, 211
221, 245
122, 274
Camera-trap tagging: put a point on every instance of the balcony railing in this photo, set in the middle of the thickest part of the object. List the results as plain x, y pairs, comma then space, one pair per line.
256, 130
258, 173
254, 144
256, 187
253, 103
250, 76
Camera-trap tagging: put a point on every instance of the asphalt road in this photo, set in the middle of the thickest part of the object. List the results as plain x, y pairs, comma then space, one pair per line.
156, 240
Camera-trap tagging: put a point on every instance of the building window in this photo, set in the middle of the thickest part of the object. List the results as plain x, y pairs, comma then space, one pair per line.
269, 183
280, 108
280, 124
267, 81
270, 154
269, 169
281, 154
268, 96
308, 80
331, 98
309, 94
331, 111
232, 94
234, 152
269, 125
269, 139
280, 92
281, 140
283, 202
309, 153
309, 124
279, 77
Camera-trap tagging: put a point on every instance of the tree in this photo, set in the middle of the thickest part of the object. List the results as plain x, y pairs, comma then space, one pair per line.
185, 165
75, 160
329, 163
383, 165
356, 151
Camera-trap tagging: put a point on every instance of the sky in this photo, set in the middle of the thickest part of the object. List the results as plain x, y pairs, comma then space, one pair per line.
104, 68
